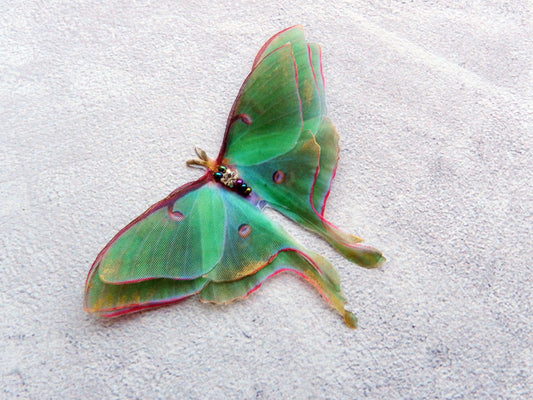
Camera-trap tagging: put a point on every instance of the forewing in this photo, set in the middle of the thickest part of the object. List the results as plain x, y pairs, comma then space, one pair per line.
178, 238
315, 53
160, 257
307, 58
266, 119
293, 35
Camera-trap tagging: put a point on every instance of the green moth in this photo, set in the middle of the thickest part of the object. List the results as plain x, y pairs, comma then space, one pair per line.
210, 237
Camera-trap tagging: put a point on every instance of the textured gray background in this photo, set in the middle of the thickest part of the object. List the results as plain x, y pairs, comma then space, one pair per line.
102, 103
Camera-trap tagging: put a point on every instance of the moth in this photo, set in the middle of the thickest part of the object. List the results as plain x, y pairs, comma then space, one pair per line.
210, 237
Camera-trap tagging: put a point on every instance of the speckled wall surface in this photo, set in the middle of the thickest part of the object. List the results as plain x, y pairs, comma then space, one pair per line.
101, 103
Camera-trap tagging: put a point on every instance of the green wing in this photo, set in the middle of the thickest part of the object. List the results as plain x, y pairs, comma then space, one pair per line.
296, 180
307, 59
293, 184
160, 256
310, 266
180, 240
266, 118
111, 300
201, 236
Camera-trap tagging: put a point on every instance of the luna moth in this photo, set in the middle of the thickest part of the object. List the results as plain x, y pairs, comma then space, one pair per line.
210, 237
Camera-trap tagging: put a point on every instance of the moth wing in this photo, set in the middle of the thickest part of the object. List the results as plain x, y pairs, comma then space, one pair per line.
162, 255
312, 267
266, 118
296, 178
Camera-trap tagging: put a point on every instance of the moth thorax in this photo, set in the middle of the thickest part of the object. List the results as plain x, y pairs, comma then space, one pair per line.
230, 178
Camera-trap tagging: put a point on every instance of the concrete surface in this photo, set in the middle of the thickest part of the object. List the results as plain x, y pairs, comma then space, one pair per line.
102, 102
